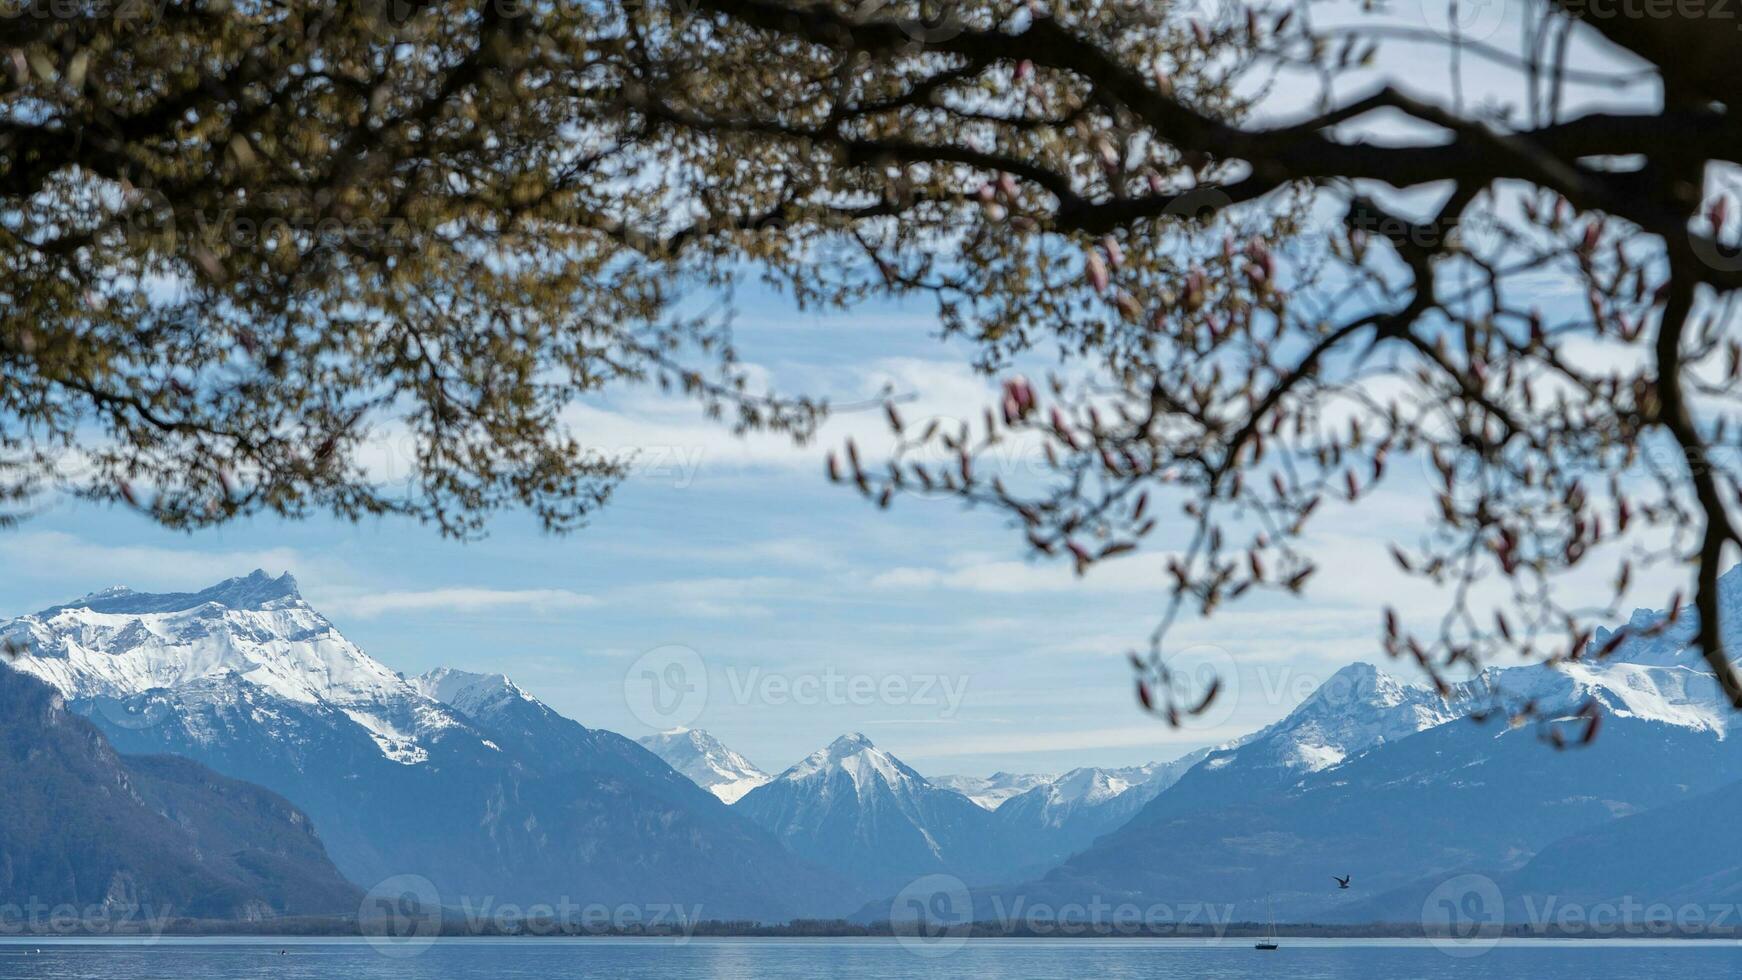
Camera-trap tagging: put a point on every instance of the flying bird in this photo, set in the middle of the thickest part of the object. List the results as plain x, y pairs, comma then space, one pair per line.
1342, 882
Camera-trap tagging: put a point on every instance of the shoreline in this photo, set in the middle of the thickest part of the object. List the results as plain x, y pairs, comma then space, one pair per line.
305, 929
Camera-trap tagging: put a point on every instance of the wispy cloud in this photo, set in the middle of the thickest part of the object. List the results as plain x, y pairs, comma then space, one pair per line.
468, 600
1018, 577
1168, 743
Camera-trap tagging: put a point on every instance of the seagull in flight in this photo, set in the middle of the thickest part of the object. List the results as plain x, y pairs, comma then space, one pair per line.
1342, 882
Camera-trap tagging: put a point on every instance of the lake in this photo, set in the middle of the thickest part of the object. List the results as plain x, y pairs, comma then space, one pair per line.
183, 958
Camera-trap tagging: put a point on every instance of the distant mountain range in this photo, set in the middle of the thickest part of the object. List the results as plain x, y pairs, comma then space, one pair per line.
1402, 791
462, 779
990, 791
472, 782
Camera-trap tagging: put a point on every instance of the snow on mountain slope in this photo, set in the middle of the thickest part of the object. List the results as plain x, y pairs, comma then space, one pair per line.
462, 778
472, 694
1357, 708
866, 766
1683, 696
117, 644
990, 791
706, 761
1391, 783
858, 810
1059, 818
1094, 787
1670, 646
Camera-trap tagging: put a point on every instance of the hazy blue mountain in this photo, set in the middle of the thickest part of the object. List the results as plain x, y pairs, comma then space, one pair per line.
1355, 710
707, 762
1686, 852
1345, 786
1063, 815
857, 810
83, 826
516, 804
991, 791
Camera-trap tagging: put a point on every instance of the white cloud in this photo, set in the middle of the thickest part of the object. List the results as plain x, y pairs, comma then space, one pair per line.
462, 599
1169, 742
1019, 577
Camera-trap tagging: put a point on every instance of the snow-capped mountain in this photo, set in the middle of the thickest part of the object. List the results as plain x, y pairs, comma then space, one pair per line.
257, 630
1060, 817
1669, 646
1357, 708
855, 809
1389, 783
707, 762
471, 694
990, 791
464, 779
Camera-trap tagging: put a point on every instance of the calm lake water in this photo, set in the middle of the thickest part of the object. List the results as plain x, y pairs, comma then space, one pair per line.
754, 959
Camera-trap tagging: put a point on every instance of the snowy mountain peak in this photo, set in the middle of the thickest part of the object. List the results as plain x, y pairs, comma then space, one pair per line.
1355, 709
862, 762
707, 762
255, 591
253, 631
849, 743
1089, 784
472, 694
990, 791
1683, 696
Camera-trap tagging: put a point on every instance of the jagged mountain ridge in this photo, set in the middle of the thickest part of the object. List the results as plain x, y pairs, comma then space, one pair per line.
516, 803
861, 812
707, 762
1064, 815
991, 791
1400, 788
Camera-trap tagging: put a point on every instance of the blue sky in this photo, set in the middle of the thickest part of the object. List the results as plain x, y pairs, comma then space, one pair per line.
811, 612
740, 551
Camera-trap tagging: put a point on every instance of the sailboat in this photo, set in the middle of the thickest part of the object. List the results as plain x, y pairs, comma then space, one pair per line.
1269, 940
